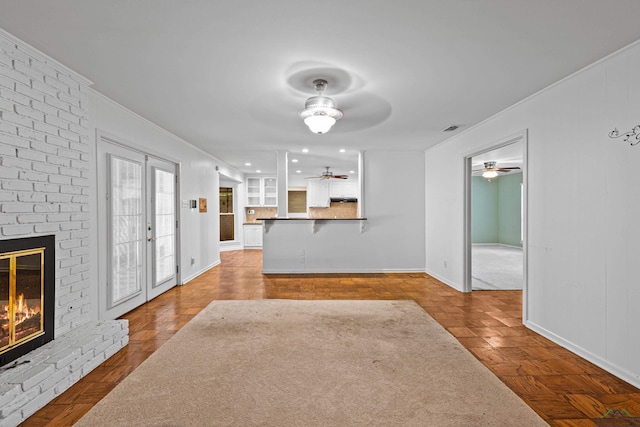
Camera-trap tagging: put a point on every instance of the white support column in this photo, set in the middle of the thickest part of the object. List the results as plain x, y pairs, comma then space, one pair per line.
283, 184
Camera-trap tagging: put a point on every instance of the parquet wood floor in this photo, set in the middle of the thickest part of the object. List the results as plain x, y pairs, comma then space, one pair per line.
563, 388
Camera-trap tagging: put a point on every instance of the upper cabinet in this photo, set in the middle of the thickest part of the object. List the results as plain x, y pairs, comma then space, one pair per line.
318, 194
262, 191
339, 188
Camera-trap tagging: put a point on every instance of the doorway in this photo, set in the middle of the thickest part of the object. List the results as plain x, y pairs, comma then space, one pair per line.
138, 227
495, 216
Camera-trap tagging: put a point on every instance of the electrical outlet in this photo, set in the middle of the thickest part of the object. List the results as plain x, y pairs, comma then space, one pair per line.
193, 260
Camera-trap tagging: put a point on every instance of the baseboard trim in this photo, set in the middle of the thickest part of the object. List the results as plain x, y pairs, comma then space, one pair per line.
497, 244
204, 270
231, 246
624, 374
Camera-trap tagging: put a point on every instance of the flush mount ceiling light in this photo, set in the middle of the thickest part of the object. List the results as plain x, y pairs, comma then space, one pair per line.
320, 112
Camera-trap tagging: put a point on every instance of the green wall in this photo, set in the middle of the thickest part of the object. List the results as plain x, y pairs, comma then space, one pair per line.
509, 207
495, 210
484, 210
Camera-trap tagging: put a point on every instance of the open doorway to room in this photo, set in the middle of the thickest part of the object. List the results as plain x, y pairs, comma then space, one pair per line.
495, 215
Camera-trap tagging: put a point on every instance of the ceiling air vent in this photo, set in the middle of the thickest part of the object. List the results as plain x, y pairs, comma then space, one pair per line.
451, 128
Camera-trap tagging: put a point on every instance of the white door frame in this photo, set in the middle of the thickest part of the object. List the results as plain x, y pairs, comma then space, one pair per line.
519, 137
103, 137
153, 164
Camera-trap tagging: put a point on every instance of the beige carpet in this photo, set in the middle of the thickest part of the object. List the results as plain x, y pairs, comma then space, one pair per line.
311, 363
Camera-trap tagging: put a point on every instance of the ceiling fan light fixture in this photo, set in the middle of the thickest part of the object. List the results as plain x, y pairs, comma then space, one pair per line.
490, 174
320, 112
319, 123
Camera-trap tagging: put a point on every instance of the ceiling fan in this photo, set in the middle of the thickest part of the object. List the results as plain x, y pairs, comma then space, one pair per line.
327, 174
491, 171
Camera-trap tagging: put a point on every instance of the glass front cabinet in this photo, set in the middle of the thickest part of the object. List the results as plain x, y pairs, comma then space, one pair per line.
262, 191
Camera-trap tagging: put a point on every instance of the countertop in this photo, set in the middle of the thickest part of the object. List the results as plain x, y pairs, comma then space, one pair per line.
311, 219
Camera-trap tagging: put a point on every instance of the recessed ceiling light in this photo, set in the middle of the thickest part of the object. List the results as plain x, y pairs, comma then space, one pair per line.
305, 150
247, 164
294, 160
342, 150
258, 171
352, 171
298, 171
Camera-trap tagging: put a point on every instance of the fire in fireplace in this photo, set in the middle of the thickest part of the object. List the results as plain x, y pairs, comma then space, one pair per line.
27, 287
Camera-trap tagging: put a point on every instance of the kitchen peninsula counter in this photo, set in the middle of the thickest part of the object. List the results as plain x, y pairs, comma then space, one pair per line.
310, 219
313, 245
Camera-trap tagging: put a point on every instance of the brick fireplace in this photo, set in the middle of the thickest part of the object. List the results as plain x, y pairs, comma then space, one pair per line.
45, 190
27, 295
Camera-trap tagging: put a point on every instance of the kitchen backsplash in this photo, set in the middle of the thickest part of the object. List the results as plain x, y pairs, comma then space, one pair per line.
259, 213
336, 210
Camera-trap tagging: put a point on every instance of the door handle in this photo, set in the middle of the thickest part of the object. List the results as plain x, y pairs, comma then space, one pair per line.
150, 239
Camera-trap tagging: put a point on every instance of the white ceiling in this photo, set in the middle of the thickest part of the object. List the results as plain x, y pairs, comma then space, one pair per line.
230, 77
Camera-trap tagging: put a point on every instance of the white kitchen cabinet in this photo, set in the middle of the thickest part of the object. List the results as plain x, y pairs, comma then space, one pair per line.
338, 188
318, 194
262, 191
252, 235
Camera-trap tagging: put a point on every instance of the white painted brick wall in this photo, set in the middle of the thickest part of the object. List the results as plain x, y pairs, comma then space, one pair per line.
44, 189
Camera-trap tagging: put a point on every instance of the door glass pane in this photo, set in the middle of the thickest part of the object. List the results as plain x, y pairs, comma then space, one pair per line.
253, 191
126, 229
270, 192
165, 220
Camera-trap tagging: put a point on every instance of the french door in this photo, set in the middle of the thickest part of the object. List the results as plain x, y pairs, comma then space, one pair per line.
137, 206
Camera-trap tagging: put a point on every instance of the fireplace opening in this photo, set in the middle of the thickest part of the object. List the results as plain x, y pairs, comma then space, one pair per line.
27, 295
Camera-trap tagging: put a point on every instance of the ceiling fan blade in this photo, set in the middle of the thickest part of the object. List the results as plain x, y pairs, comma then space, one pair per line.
340, 176
505, 169
362, 110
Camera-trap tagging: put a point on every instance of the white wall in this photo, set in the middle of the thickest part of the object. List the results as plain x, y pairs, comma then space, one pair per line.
583, 210
199, 233
393, 200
